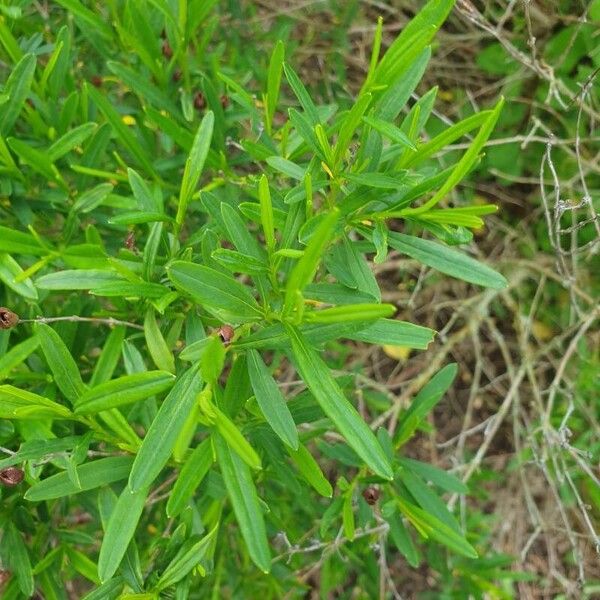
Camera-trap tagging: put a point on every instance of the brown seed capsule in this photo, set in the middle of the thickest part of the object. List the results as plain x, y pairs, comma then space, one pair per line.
371, 495
199, 101
226, 333
96, 81
11, 476
224, 101
167, 50
176, 75
8, 318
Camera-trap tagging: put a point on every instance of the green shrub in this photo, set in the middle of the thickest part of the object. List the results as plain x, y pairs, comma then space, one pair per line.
169, 273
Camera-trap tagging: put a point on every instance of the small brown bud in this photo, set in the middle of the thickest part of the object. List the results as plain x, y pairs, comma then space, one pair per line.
199, 101
8, 318
224, 101
371, 495
11, 476
176, 75
167, 50
226, 333
96, 81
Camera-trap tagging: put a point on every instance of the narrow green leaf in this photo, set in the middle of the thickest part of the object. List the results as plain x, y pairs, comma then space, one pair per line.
302, 94
350, 312
266, 211
92, 475
11, 274
164, 430
236, 440
194, 165
19, 559
415, 36
120, 129
402, 539
87, 16
71, 139
92, 198
121, 527
348, 523
126, 289
124, 390
390, 131
191, 475
274, 83
189, 555
345, 417
395, 333
245, 503
435, 529
447, 260
61, 363
21, 404
271, 400
76, 279
218, 293
305, 269
19, 242
349, 126
437, 476
427, 499
448, 136
465, 163
376, 180
142, 192
287, 167
17, 356
157, 346
424, 402
17, 89
310, 470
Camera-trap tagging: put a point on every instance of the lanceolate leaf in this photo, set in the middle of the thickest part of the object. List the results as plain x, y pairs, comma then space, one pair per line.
194, 165
17, 89
344, 416
271, 401
21, 404
244, 500
121, 527
350, 312
19, 559
189, 555
91, 475
305, 269
157, 346
424, 402
162, 434
432, 527
61, 363
310, 470
448, 261
395, 333
215, 291
10, 270
191, 475
124, 390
